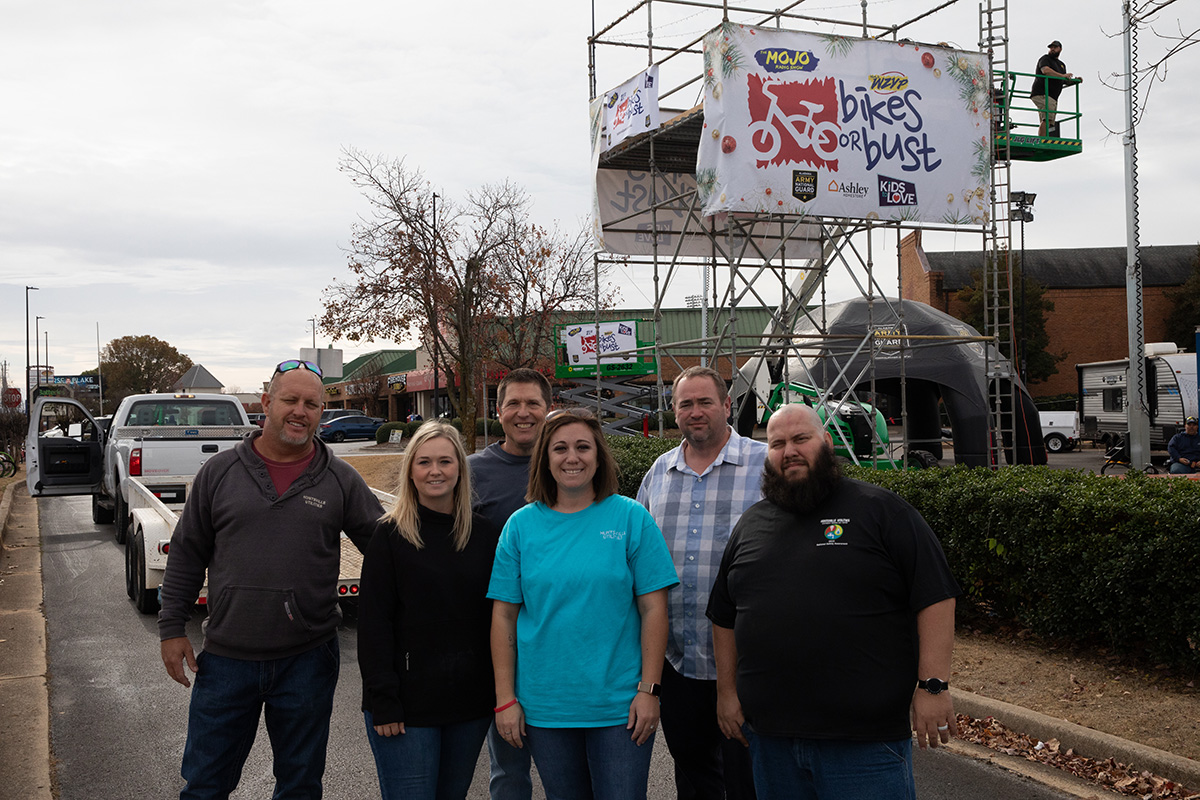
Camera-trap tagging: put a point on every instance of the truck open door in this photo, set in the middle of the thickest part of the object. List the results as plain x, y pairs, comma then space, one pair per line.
64, 449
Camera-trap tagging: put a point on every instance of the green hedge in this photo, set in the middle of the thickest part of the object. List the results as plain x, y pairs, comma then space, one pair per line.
635, 455
1091, 558
384, 432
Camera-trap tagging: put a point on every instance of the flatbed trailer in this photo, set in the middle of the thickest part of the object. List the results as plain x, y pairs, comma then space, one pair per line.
152, 522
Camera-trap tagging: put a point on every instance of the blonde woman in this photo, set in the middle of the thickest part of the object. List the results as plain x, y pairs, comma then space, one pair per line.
424, 617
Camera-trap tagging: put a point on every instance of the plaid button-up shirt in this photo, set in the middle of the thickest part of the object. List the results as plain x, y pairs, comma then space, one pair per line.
696, 514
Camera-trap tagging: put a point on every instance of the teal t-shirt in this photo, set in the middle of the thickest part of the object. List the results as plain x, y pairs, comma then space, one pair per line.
577, 578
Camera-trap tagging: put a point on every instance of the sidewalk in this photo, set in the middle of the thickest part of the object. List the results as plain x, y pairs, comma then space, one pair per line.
24, 700
25, 711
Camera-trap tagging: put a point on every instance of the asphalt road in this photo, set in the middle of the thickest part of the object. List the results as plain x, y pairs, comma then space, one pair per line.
118, 722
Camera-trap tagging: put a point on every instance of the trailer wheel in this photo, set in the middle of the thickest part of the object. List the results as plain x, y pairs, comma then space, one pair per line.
120, 518
1056, 443
100, 514
145, 599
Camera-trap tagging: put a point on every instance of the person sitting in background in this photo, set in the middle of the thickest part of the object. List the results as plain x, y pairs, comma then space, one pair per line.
423, 628
579, 626
1184, 448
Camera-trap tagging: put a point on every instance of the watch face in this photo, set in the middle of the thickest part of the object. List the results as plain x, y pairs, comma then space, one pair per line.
935, 685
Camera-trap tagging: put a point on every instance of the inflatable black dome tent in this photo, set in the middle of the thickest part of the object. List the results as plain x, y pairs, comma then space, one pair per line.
949, 371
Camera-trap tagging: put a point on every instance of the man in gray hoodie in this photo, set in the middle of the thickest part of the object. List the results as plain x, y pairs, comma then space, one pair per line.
264, 520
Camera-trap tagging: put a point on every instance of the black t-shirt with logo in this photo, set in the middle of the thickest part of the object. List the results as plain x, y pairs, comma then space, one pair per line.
1051, 85
823, 609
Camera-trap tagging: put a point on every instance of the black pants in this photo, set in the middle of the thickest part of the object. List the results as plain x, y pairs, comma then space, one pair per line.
707, 765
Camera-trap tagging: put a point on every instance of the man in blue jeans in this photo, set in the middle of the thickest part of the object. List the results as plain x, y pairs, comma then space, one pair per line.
264, 519
833, 618
500, 476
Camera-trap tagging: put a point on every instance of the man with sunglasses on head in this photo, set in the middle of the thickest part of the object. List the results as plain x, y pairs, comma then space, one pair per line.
264, 519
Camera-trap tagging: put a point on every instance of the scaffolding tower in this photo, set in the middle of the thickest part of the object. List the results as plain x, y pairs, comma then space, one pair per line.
779, 260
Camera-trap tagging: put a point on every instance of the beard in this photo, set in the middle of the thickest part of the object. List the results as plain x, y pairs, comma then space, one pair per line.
802, 496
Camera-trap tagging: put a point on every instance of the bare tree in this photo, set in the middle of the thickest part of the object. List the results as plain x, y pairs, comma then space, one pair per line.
1156, 71
551, 272
449, 279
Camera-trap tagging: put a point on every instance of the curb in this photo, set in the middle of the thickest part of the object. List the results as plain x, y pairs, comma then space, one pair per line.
1084, 741
25, 753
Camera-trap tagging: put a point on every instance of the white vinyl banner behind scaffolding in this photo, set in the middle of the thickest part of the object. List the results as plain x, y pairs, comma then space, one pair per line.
800, 123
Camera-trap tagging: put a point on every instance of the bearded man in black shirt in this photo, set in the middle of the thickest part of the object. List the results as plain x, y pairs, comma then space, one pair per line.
833, 619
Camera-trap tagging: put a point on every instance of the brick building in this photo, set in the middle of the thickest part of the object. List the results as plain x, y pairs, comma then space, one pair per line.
1086, 285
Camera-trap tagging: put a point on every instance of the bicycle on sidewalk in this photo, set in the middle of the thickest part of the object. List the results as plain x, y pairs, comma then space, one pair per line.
8, 466
1117, 462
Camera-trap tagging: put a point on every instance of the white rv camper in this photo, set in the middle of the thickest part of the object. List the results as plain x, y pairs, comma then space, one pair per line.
1171, 392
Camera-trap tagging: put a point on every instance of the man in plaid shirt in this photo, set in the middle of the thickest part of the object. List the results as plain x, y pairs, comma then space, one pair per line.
696, 494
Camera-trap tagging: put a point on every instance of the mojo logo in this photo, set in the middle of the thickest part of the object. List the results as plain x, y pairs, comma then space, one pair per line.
888, 82
804, 184
779, 59
852, 189
895, 192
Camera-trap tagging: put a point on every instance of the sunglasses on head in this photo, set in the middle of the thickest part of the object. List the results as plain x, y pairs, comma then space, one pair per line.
288, 366
578, 413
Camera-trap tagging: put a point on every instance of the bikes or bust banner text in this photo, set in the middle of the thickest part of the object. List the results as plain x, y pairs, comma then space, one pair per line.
802, 123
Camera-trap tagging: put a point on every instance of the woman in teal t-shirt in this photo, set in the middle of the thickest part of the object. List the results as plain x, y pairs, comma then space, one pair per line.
579, 626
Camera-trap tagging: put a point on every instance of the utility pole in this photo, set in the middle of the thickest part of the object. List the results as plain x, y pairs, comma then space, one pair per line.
1135, 384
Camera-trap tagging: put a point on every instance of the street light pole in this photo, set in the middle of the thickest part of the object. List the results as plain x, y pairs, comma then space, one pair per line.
37, 368
313, 320
28, 289
1024, 201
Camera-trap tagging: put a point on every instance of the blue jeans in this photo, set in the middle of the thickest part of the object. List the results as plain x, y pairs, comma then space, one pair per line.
510, 778
1180, 469
229, 694
590, 763
821, 769
427, 763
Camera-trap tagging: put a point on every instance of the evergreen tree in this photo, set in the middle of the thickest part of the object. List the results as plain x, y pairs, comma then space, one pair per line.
1185, 311
1040, 363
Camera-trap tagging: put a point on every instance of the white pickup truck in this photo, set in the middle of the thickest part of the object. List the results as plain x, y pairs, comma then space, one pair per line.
162, 438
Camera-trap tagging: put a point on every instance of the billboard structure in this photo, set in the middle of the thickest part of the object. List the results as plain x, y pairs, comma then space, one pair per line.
614, 344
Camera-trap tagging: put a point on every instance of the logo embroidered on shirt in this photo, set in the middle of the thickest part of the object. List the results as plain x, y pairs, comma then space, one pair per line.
612, 534
833, 532
315, 502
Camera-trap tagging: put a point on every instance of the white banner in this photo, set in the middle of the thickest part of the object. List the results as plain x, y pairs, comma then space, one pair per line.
631, 108
800, 123
623, 202
582, 346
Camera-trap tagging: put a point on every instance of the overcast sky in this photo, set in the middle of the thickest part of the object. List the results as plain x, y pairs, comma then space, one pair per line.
170, 169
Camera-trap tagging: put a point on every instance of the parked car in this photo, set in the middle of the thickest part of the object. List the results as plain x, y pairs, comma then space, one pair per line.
334, 413
257, 419
1060, 430
354, 426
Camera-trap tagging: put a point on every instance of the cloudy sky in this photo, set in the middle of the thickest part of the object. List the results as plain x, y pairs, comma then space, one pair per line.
170, 169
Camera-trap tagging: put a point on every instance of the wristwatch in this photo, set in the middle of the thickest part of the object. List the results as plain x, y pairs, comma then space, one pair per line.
933, 685
654, 689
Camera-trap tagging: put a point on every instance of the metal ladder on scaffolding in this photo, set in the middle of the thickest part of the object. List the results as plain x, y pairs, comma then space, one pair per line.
1003, 395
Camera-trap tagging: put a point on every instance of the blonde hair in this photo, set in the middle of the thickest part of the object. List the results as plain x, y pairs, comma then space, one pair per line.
403, 513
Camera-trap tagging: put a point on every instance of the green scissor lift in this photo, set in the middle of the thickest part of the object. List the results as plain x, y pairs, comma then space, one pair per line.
850, 425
